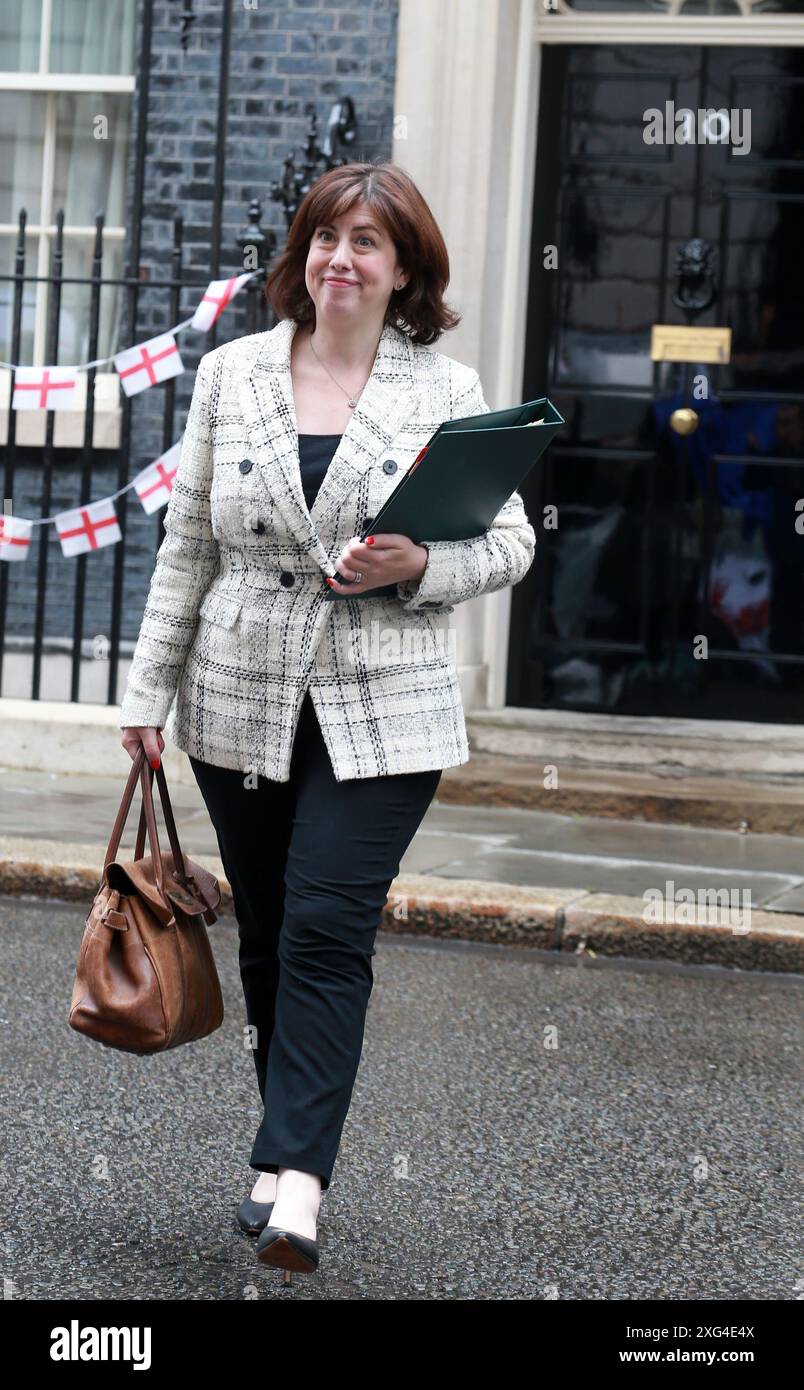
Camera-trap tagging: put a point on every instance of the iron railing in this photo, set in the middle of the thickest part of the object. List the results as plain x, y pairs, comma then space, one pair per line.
250, 314
174, 286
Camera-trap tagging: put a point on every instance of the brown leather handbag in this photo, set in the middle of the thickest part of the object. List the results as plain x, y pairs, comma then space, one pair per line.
145, 978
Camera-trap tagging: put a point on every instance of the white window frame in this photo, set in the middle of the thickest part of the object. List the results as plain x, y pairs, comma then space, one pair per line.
53, 84
565, 25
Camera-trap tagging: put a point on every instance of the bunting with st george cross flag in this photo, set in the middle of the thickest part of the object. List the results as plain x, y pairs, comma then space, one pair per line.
93, 525
15, 537
151, 362
155, 483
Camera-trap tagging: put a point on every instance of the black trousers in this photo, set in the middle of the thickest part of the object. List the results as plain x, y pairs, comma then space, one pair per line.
310, 863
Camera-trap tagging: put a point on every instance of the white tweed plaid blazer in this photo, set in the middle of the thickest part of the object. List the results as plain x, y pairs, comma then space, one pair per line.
237, 624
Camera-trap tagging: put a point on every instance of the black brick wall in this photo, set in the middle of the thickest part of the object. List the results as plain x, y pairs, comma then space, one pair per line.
284, 55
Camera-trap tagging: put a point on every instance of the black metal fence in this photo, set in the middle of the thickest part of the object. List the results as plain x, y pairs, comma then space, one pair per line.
174, 285
132, 285
252, 314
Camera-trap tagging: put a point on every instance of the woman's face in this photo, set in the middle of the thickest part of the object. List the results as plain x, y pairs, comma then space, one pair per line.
352, 268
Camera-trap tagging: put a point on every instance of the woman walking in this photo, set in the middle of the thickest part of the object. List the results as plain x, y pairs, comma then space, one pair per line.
316, 739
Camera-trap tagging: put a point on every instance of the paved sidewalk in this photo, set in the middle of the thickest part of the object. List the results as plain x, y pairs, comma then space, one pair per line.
492, 844
486, 873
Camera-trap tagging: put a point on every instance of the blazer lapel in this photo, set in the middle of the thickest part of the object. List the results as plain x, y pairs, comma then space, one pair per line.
266, 399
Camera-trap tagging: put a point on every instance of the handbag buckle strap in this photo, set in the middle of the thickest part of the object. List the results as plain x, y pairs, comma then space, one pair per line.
111, 916
210, 915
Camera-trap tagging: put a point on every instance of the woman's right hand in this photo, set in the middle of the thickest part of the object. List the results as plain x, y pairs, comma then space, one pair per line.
150, 738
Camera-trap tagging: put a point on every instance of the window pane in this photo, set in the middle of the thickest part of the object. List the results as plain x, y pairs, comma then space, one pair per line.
90, 174
75, 299
22, 119
93, 36
7, 246
20, 27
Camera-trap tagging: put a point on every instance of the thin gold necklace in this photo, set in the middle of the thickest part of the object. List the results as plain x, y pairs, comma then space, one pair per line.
351, 400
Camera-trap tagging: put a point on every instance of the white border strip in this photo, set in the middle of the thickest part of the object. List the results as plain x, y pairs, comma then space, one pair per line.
65, 82
508, 379
750, 31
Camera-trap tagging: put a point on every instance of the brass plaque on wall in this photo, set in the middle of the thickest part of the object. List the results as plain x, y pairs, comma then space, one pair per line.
677, 342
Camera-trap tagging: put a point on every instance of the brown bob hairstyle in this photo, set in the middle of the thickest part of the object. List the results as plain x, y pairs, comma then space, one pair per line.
418, 309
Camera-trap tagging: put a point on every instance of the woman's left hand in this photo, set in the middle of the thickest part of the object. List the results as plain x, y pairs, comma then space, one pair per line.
386, 558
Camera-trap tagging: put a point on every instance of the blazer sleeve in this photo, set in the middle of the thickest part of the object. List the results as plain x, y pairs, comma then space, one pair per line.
186, 561
459, 570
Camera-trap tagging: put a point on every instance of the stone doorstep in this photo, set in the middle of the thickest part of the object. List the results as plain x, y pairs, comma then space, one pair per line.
719, 745
572, 921
665, 796
721, 774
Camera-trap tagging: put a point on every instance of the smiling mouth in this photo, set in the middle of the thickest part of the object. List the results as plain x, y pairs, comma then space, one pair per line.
329, 280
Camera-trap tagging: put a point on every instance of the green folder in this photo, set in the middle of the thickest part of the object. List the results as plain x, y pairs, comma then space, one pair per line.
456, 486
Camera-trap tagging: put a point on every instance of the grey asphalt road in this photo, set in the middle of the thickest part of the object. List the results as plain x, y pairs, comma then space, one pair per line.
523, 1127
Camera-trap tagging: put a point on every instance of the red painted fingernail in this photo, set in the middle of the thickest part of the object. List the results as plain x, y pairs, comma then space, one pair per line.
369, 540
154, 762
329, 581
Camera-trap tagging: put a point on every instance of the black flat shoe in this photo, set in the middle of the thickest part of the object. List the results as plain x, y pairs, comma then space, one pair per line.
253, 1217
283, 1249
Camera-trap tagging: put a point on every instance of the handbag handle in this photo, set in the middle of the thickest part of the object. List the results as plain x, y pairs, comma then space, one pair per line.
139, 769
156, 852
142, 768
167, 811
125, 803
180, 872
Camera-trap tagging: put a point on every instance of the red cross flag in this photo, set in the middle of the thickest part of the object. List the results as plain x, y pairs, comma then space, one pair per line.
154, 484
148, 363
44, 388
217, 295
88, 527
15, 537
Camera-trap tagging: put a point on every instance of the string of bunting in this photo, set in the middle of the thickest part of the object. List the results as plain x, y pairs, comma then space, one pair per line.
94, 524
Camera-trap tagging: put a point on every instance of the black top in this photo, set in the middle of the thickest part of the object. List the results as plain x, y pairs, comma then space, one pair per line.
316, 452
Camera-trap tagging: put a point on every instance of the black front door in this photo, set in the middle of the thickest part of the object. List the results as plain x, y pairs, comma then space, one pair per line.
669, 576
